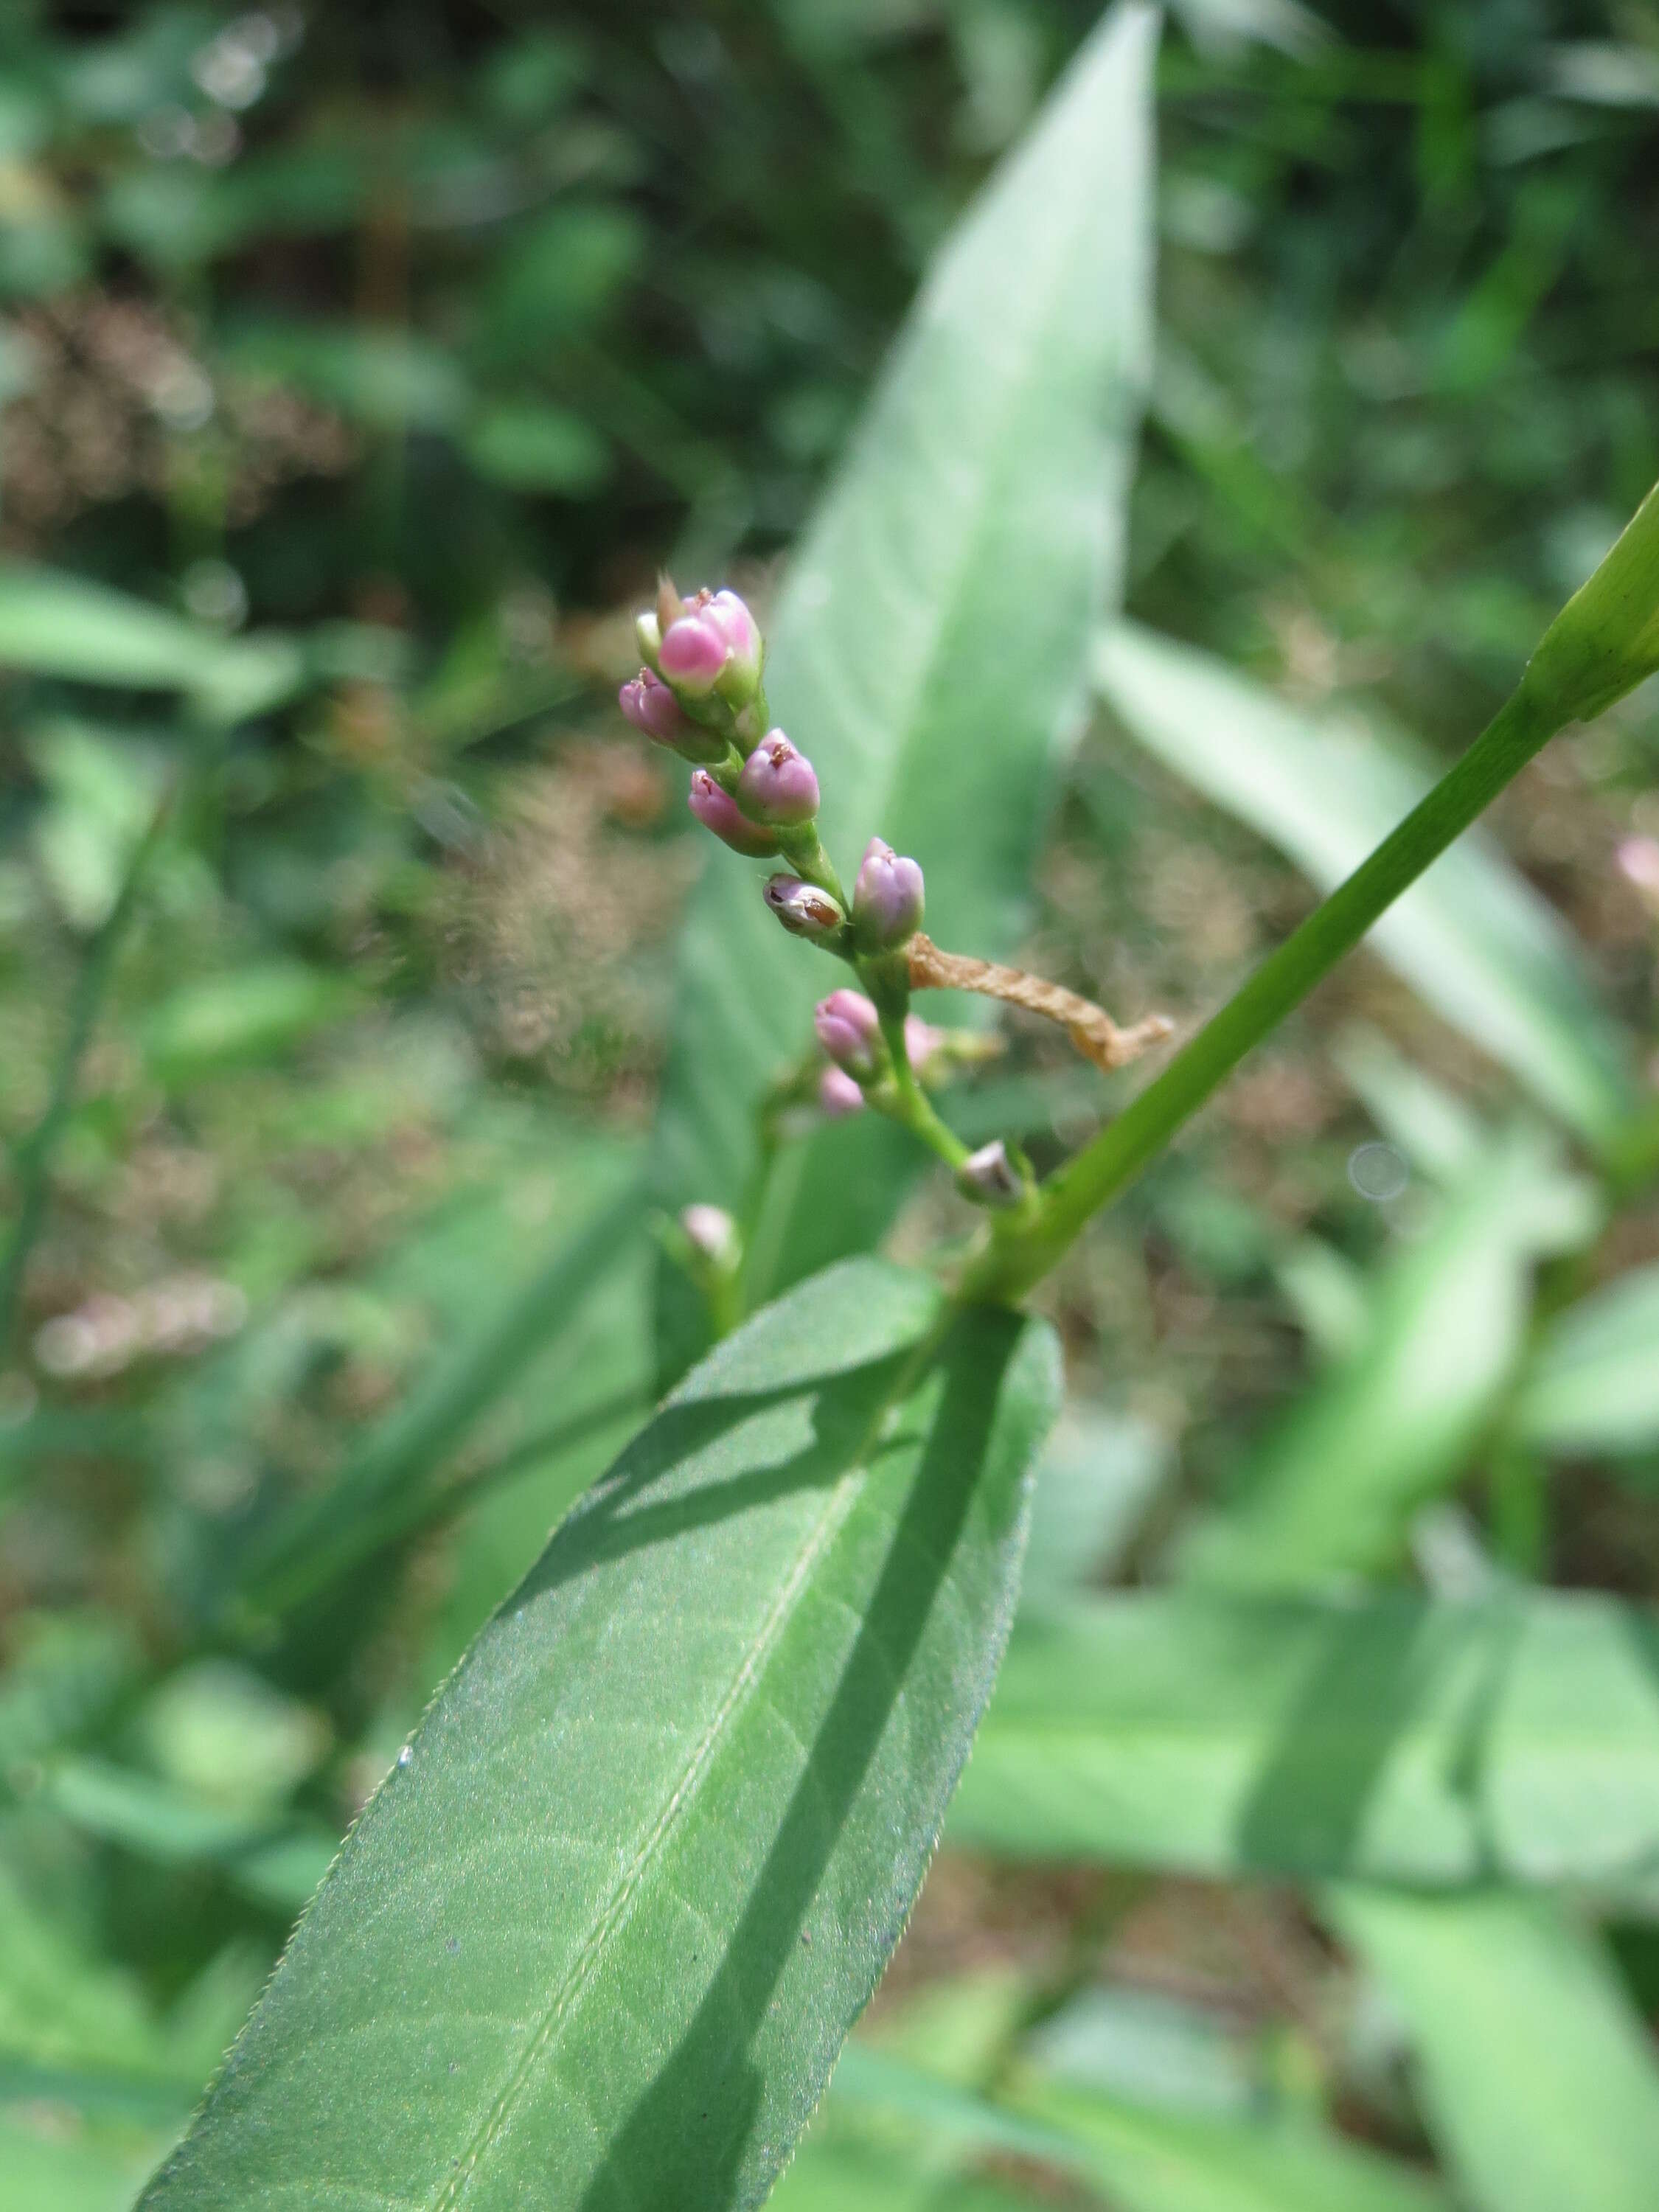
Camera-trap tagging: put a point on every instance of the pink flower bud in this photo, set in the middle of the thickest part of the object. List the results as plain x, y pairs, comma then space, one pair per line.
777, 783
887, 899
694, 651
990, 1177
849, 1029
804, 909
922, 1041
740, 679
718, 812
712, 1233
838, 1095
650, 705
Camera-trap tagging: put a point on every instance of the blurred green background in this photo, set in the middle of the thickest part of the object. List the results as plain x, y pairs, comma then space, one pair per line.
358, 368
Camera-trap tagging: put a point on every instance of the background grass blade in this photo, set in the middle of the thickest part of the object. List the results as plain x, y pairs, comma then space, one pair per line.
1146, 2160
930, 647
1537, 2077
56, 624
1396, 1738
1334, 1486
613, 1912
1593, 1384
1138, 2157
1472, 939
390, 1484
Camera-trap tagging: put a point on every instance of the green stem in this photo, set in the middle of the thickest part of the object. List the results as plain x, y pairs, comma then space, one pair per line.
804, 850
35, 1153
1003, 1271
902, 1099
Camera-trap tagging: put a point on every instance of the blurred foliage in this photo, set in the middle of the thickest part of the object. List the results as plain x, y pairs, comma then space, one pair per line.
357, 367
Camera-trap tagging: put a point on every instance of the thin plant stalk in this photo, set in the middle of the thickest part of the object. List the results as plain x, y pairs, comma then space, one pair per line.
1011, 1262
36, 1151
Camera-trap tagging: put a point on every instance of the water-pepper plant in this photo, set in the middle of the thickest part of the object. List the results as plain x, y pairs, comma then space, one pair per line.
602, 1933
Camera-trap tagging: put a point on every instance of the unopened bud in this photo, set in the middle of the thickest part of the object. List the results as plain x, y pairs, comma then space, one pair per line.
922, 1041
648, 630
650, 705
990, 1177
849, 1029
740, 678
777, 784
887, 899
712, 1234
838, 1095
694, 651
718, 810
804, 909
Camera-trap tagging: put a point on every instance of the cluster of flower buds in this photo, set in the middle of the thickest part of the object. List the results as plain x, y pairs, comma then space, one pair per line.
849, 1030
700, 693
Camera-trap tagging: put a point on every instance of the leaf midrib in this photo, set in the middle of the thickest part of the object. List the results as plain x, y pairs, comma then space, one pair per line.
843, 1497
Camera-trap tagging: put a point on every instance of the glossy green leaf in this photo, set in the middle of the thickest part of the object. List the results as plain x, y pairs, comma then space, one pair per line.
929, 652
1396, 1738
1334, 1487
1471, 937
1593, 1384
599, 1937
1537, 2077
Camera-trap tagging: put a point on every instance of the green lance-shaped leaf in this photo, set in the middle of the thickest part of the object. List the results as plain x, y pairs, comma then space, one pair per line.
1401, 1739
1537, 2077
1605, 641
1472, 938
599, 1937
930, 650
1592, 1386
1334, 1486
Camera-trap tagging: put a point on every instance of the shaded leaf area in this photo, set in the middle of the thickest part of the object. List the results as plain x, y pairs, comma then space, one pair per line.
1391, 1737
1333, 1485
1472, 938
1593, 1382
1536, 2072
704, 1752
930, 648
558, 1324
